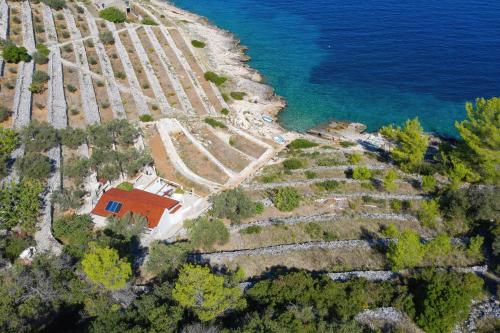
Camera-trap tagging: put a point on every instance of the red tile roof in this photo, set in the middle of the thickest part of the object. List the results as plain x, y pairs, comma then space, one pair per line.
149, 205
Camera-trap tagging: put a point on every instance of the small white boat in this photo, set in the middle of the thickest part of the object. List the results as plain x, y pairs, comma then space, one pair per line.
267, 119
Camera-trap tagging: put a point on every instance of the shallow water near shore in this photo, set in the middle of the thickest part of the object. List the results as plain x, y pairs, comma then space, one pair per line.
373, 61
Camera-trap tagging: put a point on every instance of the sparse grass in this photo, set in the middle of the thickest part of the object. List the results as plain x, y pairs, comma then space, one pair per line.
71, 88
145, 118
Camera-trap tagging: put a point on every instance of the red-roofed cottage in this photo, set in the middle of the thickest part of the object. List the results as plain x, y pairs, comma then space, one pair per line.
155, 208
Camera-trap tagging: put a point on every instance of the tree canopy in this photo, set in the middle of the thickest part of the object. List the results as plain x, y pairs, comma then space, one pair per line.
204, 233
234, 205
205, 293
481, 134
103, 265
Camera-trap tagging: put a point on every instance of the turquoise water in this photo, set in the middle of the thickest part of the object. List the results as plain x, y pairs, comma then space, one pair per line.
371, 61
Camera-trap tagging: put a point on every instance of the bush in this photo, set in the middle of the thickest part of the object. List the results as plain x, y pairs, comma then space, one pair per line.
5, 113
443, 299
314, 230
310, 174
428, 183
428, 213
33, 166
40, 77
14, 54
389, 181
214, 78
71, 88
328, 161
205, 233
72, 137
74, 231
148, 21
68, 48
301, 144
92, 61
328, 185
55, 4
106, 37
286, 199
292, 164
362, 173
145, 118
39, 137
225, 97
354, 158
113, 14
166, 259
407, 252
120, 75
347, 144
66, 34
253, 229
77, 168
16, 245
215, 123
67, 199
41, 56
234, 205
224, 111
37, 88
238, 95
126, 186
197, 44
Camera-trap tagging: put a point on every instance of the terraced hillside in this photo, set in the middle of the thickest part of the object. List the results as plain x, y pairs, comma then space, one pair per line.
86, 71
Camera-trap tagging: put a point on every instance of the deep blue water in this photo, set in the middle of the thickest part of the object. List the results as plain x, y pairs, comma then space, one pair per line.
372, 61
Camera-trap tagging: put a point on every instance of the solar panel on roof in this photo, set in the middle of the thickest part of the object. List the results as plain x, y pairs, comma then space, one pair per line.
113, 206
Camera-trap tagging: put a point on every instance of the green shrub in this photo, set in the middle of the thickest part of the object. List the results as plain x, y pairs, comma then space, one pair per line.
16, 245
106, 37
301, 144
238, 95
259, 208
292, 164
310, 174
428, 213
66, 34
40, 77
407, 252
225, 97
286, 199
126, 186
396, 205
428, 183
214, 78
41, 56
314, 230
113, 14
33, 166
145, 118
347, 144
389, 181
328, 185
197, 43
92, 61
328, 161
362, 173
215, 123
14, 54
71, 88
37, 88
224, 111
148, 21
67, 48
72, 137
75, 231
5, 113
354, 158
120, 75
55, 4
253, 229
234, 205
205, 233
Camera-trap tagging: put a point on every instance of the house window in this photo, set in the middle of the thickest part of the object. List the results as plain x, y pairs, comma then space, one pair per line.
113, 206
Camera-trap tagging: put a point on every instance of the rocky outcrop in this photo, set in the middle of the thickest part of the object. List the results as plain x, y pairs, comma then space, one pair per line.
89, 102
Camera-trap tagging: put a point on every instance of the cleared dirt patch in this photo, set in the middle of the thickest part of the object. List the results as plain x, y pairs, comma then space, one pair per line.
228, 156
160, 72
39, 101
82, 25
190, 91
117, 65
163, 165
92, 58
136, 63
331, 260
38, 24
7, 87
102, 100
15, 27
63, 34
181, 44
246, 146
129, 106
196, 161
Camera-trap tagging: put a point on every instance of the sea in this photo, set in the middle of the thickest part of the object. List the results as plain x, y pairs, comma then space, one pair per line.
372, 61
